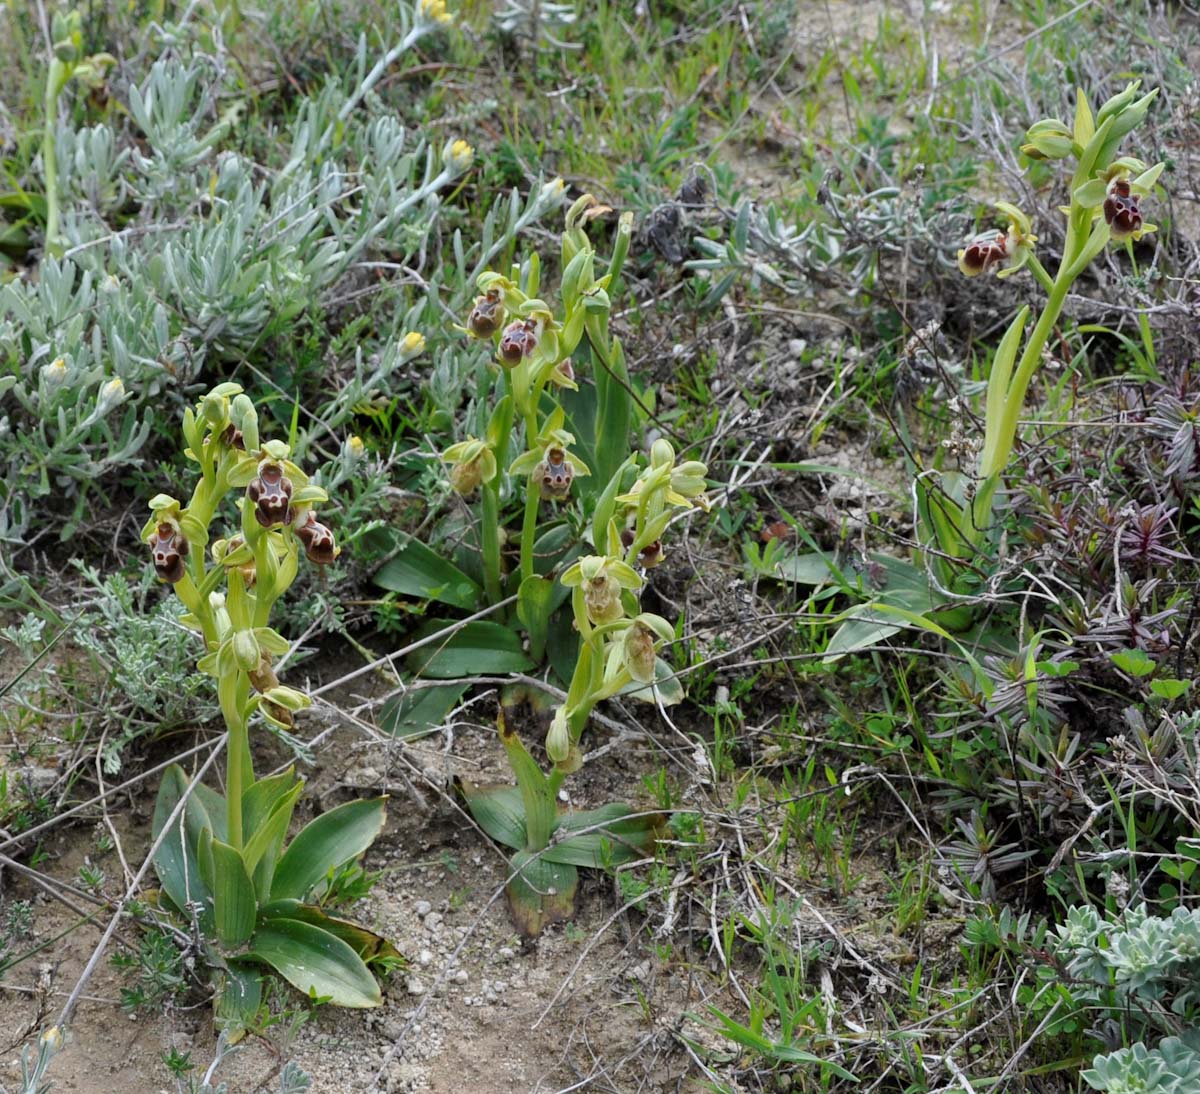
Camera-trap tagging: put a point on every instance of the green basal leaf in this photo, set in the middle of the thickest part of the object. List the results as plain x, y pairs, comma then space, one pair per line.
623, 836
420, 572
419, 710
234, 905
614, 410
176, 862
535, 602
373, 948
261, 851
475, 648
538, 803
315, 962
540, 892
260, 799
807, 569
324, 844
238, 997
497, 810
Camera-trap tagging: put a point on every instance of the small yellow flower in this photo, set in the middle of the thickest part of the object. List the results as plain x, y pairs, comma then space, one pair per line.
412, 343
53, 1038
356, 445
460, 155
56, 370
112, 392
435, 11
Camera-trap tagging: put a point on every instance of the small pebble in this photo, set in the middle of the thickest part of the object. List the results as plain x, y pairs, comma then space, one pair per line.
414, 986
504, 954
422, 908
425, 957
461, 976
433, 921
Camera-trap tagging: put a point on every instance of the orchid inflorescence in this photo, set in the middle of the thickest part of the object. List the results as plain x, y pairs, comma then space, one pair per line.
575, 463
1106, 191
277, 523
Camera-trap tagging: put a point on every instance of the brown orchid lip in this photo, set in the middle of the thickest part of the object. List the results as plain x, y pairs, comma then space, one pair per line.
271, 495
168, 550
318, 542
487, 315
1121, 211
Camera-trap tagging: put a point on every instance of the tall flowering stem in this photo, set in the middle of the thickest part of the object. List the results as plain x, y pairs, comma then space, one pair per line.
256, 566
1105, 194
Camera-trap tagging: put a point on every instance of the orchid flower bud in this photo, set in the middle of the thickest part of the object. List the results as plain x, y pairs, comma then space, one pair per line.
246, 650
270, 494
245, 419
662, 454
558, 739
1048, 139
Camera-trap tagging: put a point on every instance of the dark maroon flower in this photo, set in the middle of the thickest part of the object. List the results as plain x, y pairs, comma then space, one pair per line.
169, 551
1121, 211
233, 437
487, 315
319, 546
651, 555
270, 494
518, 342
983, 253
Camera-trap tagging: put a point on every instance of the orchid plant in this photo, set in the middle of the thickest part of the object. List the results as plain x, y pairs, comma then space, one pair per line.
592, 521
956, 511
223, 860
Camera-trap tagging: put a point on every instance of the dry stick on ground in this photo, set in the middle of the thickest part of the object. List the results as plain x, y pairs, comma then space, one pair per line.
176, 815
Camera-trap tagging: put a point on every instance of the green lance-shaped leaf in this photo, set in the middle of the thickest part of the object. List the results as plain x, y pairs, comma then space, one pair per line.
261, 852
540, 892
479, 647
371, 947
418, 571
614, 410
325, 843
176, 861
419, 710
607, 836
234, 905
315, 961
534, 605
537, 798
498, 810
238, 997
